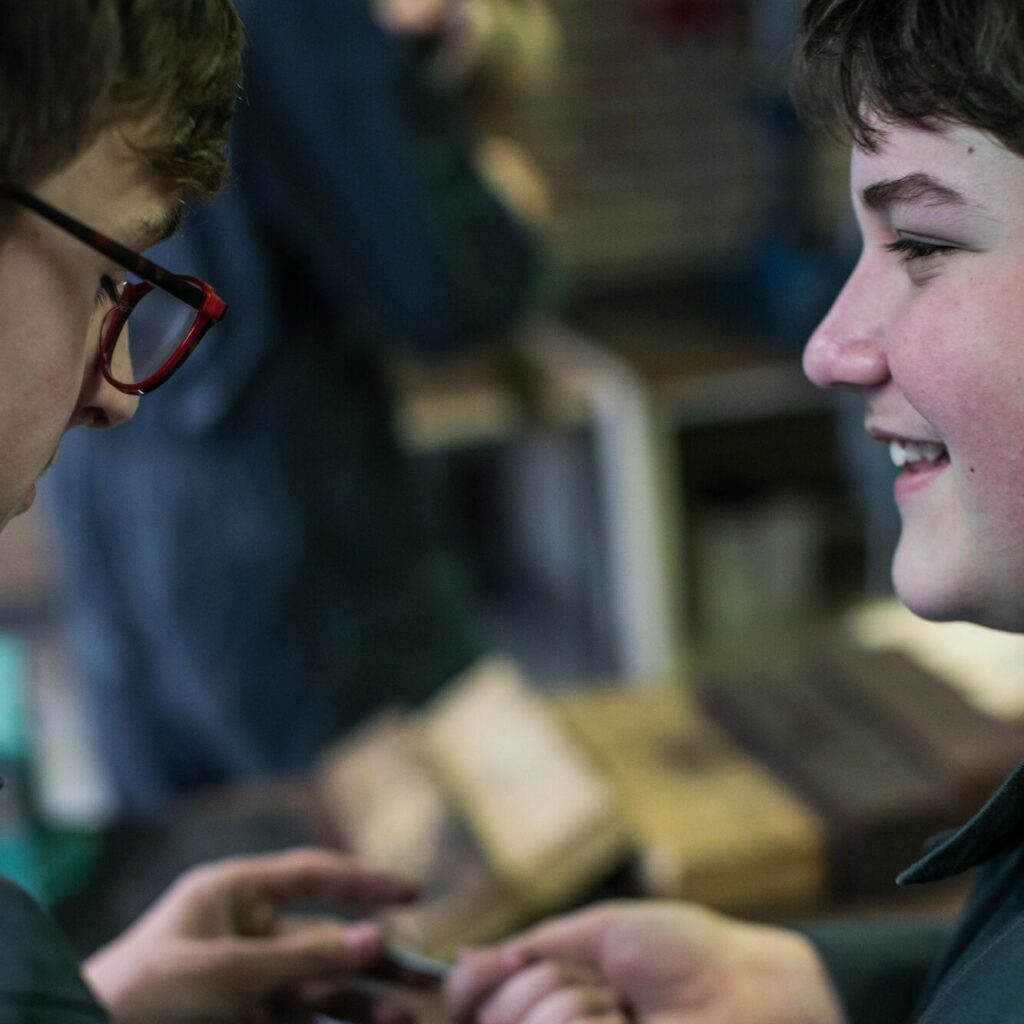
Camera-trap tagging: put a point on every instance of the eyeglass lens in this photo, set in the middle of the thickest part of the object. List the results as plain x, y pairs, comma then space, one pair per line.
155, 328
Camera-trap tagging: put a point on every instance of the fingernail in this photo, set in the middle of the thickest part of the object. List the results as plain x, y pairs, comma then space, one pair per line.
516, 957
359, 936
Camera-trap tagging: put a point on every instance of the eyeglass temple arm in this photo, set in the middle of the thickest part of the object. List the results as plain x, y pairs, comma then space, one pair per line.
129, 259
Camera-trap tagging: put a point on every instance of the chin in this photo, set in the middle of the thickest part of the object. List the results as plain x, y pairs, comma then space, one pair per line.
960, 604
931, 594
935, 612
943, 582
930, 607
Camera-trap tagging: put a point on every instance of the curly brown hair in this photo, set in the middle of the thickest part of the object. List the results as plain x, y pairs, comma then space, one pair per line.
166, 71
915, 62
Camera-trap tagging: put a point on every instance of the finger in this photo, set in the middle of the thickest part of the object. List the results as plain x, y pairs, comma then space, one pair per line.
308, 874
255, 967
571, 1005
578, 936
573, 937
358, 1007
476, 973
512, 1001
617, 1015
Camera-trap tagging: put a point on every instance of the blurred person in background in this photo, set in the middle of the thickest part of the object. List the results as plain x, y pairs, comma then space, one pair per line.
253, 566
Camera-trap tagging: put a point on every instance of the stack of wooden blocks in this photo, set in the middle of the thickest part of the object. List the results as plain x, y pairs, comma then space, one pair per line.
771, 791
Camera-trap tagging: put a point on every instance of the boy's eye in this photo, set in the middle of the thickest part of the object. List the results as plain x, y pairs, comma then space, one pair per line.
108, 291
917, 248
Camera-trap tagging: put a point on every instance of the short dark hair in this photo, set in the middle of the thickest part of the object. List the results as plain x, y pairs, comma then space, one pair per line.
914, 62
166, 70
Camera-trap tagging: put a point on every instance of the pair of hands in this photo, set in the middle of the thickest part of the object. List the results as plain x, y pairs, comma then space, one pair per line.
221, 948
645, 962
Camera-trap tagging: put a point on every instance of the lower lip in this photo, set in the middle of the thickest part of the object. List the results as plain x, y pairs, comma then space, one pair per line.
910, 481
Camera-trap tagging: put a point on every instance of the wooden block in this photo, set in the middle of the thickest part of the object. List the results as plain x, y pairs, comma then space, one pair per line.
543, 816
462, 903
382, 799
969, 750
387, 808
878, 800
483, 800
707, 823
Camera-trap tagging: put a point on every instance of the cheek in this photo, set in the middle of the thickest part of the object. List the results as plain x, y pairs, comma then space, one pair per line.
67, 347
987, 394
52, 356
960, 362
966, 377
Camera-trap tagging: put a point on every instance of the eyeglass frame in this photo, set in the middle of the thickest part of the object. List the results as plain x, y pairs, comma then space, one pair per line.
198, 294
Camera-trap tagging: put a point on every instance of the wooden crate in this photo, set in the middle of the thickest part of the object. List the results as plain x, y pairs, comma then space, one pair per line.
706, 821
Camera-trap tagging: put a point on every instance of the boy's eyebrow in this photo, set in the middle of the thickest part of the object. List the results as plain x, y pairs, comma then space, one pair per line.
911, 188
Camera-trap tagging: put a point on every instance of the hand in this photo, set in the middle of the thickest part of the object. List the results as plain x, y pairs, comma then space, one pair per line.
217, 949
645, 963
415, 17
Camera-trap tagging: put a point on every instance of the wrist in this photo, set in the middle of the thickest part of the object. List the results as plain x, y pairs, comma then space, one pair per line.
124, 986
788, 980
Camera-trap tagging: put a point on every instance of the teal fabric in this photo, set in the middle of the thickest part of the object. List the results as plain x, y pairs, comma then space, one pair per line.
14, 728
39, 978
18, 839
931, 973
49, 863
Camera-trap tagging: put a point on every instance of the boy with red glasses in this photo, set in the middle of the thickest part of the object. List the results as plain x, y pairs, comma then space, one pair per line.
112, 114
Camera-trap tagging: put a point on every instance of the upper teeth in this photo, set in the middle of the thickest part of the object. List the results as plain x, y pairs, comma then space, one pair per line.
902, 452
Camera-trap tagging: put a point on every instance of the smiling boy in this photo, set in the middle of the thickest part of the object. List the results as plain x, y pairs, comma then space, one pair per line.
929, 332
112, 114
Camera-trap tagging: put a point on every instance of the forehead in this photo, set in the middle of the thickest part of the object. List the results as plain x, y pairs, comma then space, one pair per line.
965, 159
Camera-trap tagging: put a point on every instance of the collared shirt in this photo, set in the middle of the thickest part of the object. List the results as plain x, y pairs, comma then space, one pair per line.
931, 973
39, 978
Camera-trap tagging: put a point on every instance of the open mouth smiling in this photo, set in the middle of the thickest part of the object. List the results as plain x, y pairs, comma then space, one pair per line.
916, 455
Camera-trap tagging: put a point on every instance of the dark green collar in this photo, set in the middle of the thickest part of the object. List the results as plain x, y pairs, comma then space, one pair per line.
999, 824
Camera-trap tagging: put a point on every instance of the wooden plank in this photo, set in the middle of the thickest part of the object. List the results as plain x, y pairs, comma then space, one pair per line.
544, 818
707, 822
969, 750
387, 808
879, 801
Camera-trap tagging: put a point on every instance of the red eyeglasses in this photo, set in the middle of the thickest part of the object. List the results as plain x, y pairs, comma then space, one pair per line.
169, 313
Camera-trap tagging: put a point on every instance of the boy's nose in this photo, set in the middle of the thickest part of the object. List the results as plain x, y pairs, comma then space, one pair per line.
847, 350
102, 405
115, 407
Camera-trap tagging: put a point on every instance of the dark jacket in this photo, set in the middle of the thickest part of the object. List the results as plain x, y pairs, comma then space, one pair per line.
933, 973
39, 979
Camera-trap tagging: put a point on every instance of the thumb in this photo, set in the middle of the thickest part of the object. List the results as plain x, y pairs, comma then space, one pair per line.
576, 937
255, 967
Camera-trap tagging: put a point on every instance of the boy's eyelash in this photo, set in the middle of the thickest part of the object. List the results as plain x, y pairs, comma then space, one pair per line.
108, 290
915, 249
